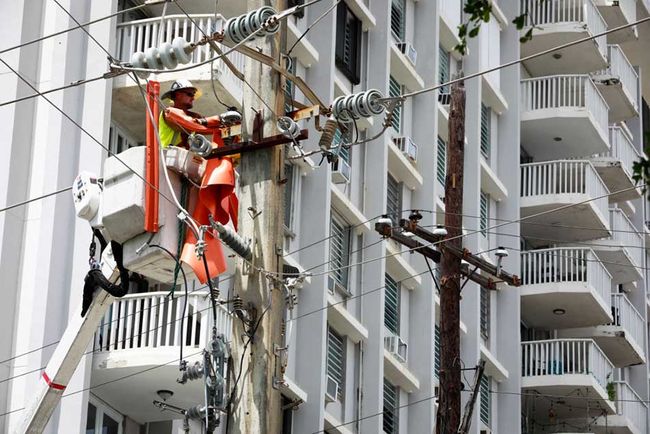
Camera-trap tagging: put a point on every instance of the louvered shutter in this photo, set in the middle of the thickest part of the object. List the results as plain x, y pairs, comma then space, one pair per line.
485, 213
436, 356
485, 313
391, 304
335, 359
391, 408
393, 199
486, 400
486, 114
398, 19
339, 249
443, 69
441, 163
395, 90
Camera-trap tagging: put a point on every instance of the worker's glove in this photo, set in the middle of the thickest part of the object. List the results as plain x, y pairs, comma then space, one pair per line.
231, 117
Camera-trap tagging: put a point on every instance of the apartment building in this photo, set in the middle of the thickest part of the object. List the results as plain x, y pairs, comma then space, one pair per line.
565, 352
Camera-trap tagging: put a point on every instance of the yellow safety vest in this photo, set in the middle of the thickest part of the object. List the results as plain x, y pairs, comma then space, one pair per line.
168, 135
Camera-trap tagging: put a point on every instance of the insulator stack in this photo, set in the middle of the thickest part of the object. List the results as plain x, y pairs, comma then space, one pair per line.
237, 303
199, 144
239, 28
357, 105
329, 131
168, 55
233, 240
196, 412
288, 127
214, 293
195, 371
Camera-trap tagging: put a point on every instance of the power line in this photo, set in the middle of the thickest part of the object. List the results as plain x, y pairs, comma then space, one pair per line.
45, 92
34, 199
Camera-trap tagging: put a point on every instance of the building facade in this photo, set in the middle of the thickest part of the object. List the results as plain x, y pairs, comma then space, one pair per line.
565, 352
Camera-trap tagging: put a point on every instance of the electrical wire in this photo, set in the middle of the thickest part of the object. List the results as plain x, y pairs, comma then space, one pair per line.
45, 92
316, 21
34, 199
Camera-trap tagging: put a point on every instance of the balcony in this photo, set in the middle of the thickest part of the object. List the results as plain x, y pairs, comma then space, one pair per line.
622, 253
619, 85
560, 367
140, 339
564, 288
395, 363
630, 416
139, 35
573, 188
558, 22
622, 339
563, 116
615, 166
617, 13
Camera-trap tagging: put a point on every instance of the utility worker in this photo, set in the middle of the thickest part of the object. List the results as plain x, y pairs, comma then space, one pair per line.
175, 122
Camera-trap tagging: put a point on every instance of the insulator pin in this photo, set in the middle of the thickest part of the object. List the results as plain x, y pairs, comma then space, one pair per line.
239, 28
233, 240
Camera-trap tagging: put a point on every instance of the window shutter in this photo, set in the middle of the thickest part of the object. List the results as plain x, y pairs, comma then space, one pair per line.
394, 90
391, 304
486, 113
340, 137
348, 43
436, 345
485, 313
485, 213
441, 163
391, 408
393, 199
398, 19
335, 359
486, 400
339, 249
443, 71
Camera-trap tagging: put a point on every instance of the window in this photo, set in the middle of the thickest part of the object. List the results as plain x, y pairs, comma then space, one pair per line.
339, 249
292, 3
118, 140
393, 199
336, 359
436, 346
485, 213
288, 195
289, 87
395, 90
485, 313
486, 400
391, 305
101, 420
441, 163
398, 19
486, 115
391, 408
348, 43
443, 69
343, 137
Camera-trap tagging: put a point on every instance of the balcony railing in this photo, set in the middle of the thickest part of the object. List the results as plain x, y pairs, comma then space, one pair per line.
142, 34
625, 315
631, 405
621, 68
565, 91
565, 265
626, 234
565, 357
621, 148
153, 320
546, 12
564, 177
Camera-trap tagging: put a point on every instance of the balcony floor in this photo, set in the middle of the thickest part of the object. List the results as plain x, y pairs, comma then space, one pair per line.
620, 105
578, 223
615, 424
615, 178
574, 388
617, 262
581, 58
576, 127
616, 343
143, 376
614, 17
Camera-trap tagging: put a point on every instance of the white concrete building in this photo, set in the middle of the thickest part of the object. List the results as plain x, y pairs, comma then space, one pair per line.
565, 352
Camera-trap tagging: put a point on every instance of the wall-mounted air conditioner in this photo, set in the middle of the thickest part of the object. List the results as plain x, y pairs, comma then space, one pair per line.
397, 347
408, 147
341, 171
409, 51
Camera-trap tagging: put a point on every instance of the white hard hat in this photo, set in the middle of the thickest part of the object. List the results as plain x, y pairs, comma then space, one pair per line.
180, 85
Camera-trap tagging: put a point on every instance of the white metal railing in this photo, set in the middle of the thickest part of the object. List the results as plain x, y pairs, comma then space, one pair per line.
565, 91
621, 148
631, 405
625, 315
565, 357
628, 7
563, 265
564, 177
626, 234
582, 12
139, 35
622, 69
152, 320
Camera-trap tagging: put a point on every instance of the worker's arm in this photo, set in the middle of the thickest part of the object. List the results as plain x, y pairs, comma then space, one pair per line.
178, 118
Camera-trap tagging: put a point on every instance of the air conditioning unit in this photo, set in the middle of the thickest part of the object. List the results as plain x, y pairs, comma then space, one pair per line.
397, 347
341, 171
409, 51
408, 147
334, 286
332, 392
444, 98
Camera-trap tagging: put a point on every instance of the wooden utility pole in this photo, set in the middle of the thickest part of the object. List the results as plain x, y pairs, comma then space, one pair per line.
256, 404
448, 417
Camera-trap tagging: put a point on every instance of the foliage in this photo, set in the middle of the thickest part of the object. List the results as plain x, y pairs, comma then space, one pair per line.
611, 388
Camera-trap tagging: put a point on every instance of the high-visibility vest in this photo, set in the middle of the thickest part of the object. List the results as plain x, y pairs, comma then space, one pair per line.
168, 135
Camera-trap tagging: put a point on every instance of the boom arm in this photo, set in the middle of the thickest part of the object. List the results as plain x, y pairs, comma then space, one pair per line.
67, 355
